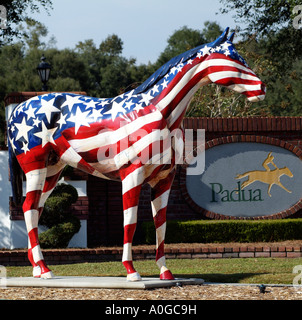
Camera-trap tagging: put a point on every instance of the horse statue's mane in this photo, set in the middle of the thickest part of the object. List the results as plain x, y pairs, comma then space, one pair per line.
183, 57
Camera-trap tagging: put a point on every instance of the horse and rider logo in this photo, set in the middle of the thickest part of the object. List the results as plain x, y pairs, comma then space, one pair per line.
271, 175
268, 176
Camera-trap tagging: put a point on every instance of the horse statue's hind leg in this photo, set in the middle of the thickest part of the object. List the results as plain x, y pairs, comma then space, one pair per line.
159, 201
35, 180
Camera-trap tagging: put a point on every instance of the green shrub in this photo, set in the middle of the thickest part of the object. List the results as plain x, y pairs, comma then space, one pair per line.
58, 218
214, 231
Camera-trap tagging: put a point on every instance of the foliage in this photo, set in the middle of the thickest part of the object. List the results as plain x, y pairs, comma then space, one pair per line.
186, 38
215, 101
272, 22
269, 27
102, 71
180, 41
112, 46
214, 231
17, 12
58, 218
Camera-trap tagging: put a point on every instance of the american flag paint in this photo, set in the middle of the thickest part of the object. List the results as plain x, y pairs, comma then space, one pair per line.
48, 132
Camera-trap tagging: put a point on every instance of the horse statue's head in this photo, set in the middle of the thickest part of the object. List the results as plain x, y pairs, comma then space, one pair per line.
216, 62
226, 67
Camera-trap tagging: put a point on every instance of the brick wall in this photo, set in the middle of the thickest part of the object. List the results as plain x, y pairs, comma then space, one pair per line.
202, 251
103, 205
105, 214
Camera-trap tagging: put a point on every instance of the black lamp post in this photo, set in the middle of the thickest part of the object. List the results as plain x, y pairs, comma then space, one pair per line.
44, 72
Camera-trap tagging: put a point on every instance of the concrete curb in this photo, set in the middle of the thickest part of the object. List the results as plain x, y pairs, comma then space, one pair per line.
98, 282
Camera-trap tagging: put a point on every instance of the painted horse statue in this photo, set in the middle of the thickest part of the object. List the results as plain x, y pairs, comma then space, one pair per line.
50, 131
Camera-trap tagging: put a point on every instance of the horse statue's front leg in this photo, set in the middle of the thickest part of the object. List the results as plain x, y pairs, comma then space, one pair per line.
159, 201
131, 192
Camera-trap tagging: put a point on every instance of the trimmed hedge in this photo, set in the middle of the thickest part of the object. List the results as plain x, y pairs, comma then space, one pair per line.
214, 231
57, 216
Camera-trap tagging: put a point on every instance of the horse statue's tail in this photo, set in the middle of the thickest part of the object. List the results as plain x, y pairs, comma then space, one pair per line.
16, 176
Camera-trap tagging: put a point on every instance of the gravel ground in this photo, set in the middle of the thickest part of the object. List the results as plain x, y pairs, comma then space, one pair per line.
189, 292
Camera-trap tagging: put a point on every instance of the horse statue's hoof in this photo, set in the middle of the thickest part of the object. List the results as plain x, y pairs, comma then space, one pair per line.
167, 275
47, 275
135, 276
37, 272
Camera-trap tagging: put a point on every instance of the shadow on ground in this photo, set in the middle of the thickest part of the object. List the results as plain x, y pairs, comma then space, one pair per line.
221, 278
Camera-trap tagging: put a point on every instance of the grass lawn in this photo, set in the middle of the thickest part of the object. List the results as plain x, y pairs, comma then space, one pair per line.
248, 270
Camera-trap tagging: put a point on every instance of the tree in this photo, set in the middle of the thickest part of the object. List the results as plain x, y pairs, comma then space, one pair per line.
11, 66
284, 97
89, 54
262, 16
17, 12
211, 31
271, 22
62, 224
69, 73
180, 41
35, 30
109, 73
186, 38
115, 76
112, 46
270, 26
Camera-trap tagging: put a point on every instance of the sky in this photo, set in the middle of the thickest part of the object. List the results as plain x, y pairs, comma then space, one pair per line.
143, 26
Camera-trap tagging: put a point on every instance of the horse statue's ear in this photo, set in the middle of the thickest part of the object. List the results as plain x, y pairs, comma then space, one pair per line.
221, 38
231, 37
225, 34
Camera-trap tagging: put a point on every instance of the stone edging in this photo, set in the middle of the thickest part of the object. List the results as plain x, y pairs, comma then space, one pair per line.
68, 256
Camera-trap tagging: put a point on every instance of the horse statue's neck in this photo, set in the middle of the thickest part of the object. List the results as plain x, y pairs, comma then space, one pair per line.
175, 96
